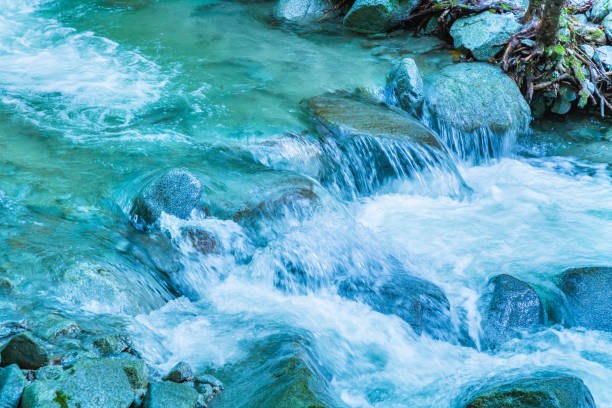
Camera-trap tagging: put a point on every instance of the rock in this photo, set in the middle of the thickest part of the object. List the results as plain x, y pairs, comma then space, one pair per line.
604, 55
88, 384
176, 193
169, 394
54, 326
580, 18
420, 303
590, 33
202, 241
208, 387
587, 291
563, 103
601, 8
545, 391
606, 23
12, 383
472, 97
181, 372
510, 305
341, 115
481, 32
51, 372
588, 50
25, 351
377, 16
406, 83
369, 16
300, 10
209, 379
112, 344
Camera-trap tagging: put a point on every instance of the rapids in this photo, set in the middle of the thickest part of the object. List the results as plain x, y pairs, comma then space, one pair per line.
98, 97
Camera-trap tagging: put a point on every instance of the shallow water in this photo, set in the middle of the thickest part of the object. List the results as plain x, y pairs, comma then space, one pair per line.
98, 97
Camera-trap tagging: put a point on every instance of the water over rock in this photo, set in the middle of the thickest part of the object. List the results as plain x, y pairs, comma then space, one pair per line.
177, 193
420, 303
90, 383
510, 305
481, 33
170, 394
366, 142
476, 108
587, 291
547, 390
12, 383
25, 351
300, 10
407, 85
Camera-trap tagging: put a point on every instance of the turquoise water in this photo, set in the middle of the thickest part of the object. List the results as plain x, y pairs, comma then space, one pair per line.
98, 97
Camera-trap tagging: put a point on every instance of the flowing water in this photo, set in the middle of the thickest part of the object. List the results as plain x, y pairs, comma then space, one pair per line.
98, 97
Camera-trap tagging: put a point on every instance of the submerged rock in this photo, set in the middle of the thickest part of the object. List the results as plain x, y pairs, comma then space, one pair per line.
420, 303
545, 391
300, 10
406, 83
588, 294
170, 394
25, 351
176, 193
481, 33
88, 384
12, 383
181, 372
510, 305
471, 97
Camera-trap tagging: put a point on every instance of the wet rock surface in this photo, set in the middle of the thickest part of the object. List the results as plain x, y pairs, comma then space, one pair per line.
25, 351
510, 306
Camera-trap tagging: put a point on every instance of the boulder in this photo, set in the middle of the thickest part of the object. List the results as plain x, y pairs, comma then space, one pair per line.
589, 296
377, 16
481, 32
300, 10
604, 55
12, 383
342, 115
590, 32
176, 193
472, 97
406, 83
170, 394
88, 384
25, 351
542, 391
181, 372
510, 306
420, 303
601, 8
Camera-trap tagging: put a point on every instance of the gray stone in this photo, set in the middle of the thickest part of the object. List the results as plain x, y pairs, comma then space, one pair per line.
601, 8
563, 103
588, 50
169, 394
510, 306
300, 10
590, 32
181, 372
420, 303
88, 384
12, 383
52, 372
112, 344
25, 351
476, 96
606, 23
587, 291
480, 33
542, 391
377, 16
177, 193
407, 85
604, 55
